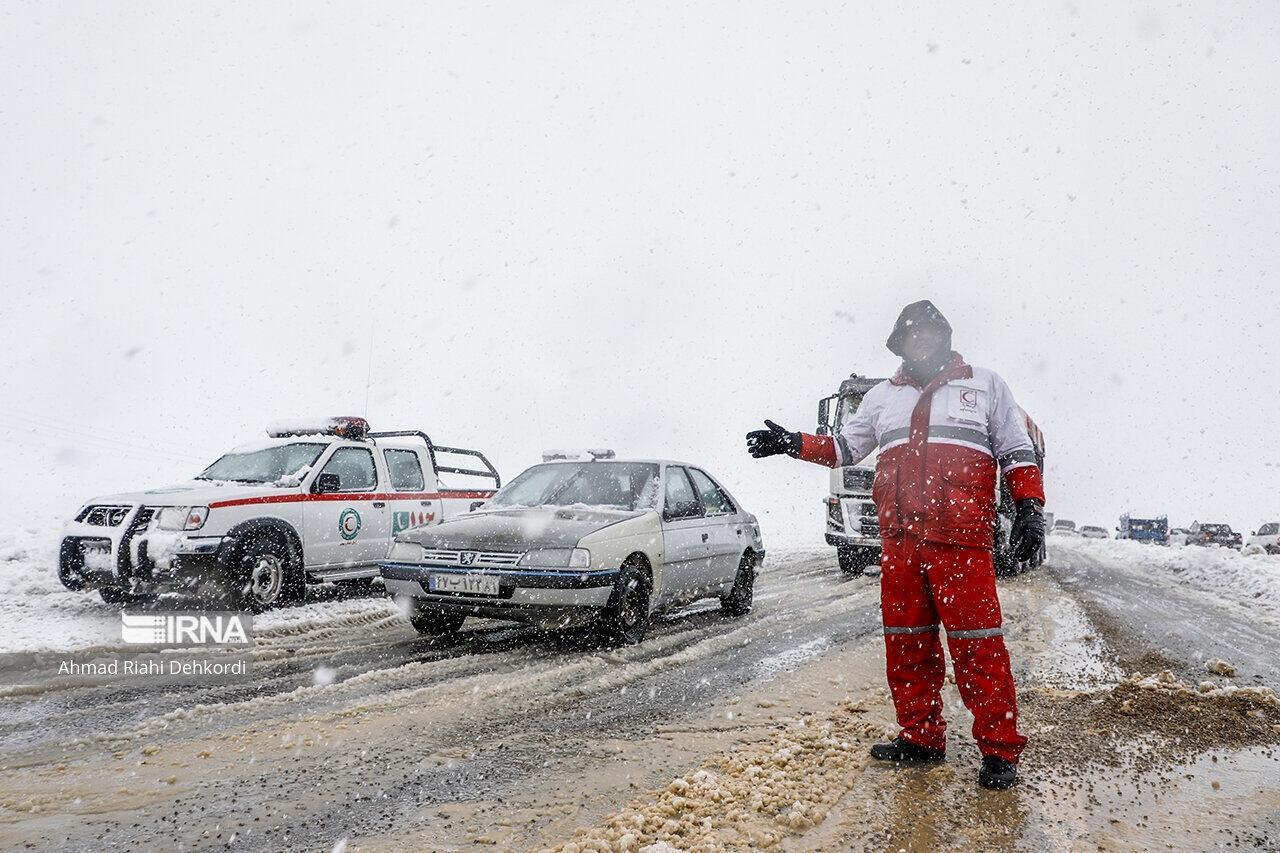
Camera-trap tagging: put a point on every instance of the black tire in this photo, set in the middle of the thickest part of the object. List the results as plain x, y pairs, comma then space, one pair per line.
625, 620
434, 622
738, 601
265, 574
117, 597
853, 560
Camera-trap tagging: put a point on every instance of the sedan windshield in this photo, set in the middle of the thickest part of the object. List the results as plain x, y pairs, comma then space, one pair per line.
1215, 529
611, 485
265, 465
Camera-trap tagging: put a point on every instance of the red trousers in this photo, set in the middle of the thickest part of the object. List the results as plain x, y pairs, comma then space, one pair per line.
927, 584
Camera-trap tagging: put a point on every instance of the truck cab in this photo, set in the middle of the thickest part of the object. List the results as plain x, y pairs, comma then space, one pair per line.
852, 524
313, 502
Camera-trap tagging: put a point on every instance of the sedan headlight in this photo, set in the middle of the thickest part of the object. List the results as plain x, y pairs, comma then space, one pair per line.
181, 517
557, 558
405, 552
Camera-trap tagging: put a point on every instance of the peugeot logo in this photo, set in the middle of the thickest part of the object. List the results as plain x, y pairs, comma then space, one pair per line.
468, 558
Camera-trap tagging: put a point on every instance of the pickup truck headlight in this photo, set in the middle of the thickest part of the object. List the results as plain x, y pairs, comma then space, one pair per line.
557, 558
181, 517
405, 552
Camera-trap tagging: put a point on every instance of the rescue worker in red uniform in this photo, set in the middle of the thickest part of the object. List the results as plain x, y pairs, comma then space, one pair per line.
944, 429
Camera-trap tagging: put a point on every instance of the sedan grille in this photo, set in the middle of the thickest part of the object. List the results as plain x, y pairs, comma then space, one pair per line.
472, 558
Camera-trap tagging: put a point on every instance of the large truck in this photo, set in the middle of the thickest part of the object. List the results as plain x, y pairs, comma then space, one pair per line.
852, 524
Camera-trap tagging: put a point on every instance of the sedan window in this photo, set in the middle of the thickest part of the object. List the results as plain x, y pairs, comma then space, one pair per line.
681, 500
615, 485
713, 497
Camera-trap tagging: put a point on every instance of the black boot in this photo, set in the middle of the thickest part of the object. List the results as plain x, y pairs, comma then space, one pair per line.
996, 773
904, 750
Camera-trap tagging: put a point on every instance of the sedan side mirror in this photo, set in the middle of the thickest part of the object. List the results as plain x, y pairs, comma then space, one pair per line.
475, 505
326, 483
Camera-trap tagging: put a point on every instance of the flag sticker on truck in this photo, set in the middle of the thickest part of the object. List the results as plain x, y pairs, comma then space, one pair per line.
401, 521
349, 524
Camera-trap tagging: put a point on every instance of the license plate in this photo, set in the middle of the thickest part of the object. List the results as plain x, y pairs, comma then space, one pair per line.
467, 584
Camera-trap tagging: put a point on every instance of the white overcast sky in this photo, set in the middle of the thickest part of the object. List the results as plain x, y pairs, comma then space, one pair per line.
643, 225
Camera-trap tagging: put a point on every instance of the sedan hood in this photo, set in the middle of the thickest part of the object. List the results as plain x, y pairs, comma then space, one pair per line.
516, 529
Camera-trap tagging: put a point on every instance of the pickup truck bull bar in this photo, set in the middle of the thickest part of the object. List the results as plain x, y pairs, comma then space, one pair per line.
433, 448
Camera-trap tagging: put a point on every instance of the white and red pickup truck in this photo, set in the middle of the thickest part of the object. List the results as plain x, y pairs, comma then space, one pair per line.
313, 502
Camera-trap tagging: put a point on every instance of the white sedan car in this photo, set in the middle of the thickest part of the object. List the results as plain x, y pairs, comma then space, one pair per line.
601, 540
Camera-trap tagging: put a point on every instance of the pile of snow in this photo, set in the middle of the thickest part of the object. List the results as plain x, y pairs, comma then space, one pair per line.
37, 612
1251, 580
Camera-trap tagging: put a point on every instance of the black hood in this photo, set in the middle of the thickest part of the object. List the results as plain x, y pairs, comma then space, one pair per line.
922, 313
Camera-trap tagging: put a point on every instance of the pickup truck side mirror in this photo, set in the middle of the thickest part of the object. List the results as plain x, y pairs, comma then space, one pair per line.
326, 483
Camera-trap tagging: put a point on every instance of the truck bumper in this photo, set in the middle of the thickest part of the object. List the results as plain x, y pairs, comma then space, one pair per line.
839, 539
133, 558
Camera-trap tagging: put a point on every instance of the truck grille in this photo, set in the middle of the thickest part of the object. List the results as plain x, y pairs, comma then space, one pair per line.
859, 479
870, 527
102, 515
481, 558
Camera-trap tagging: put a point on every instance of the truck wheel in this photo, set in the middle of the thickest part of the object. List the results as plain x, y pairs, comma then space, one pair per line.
266, 574
853, 561
625, 620
738, 601
434, 622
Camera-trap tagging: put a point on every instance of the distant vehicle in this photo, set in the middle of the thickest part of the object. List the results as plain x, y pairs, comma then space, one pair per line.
1178, 536
1090, 531
312, 502
589, 540
1214, 534
1267, 537
1064, 528
1150, 530
852, 523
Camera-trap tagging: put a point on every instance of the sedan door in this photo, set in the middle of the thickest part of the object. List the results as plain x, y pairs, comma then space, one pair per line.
684, 538
724, 527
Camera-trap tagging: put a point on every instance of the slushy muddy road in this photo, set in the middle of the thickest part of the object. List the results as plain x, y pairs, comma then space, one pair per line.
714, 733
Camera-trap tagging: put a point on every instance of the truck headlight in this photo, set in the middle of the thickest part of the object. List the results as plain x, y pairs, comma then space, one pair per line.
405, 552
557, 558
181, 517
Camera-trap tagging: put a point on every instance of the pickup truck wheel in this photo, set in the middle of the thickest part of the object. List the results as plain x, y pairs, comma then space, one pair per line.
626, 617
266, 574
738, 601
434, 622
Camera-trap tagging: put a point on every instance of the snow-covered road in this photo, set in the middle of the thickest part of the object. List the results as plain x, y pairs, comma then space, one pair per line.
353, 730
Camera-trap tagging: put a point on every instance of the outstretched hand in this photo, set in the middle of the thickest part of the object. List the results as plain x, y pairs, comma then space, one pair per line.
772, 441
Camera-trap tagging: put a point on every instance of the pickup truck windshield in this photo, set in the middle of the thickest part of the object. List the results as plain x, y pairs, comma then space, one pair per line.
612, 485
266, 465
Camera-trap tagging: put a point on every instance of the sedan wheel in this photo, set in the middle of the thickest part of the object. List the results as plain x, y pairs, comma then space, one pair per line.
626, 618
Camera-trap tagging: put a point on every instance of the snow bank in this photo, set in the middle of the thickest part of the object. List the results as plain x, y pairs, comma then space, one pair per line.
1250, 580
37, 612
